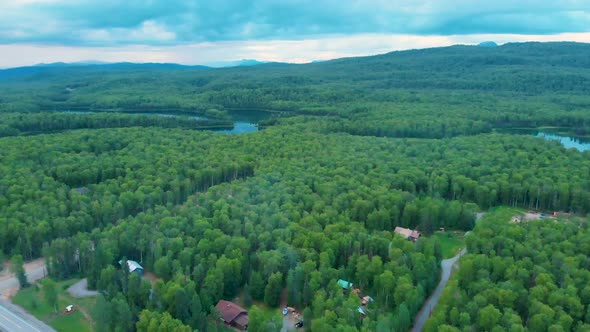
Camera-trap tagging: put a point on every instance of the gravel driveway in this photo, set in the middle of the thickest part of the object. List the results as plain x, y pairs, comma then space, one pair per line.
80, 289
447, 267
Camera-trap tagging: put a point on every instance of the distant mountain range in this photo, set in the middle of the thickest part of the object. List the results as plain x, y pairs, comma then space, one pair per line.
91, 64
220, 64
52, 67
94, 64
116, 65
463, 58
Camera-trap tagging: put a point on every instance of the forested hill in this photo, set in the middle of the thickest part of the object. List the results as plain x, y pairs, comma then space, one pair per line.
354, 148
459, 61
438, 92
41, 70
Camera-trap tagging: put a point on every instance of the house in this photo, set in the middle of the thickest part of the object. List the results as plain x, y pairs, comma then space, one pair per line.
134, 267
408, 234
232, 314
344, 284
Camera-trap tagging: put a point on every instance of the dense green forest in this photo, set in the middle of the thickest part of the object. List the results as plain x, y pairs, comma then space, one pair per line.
351, 149
520, 276
14, 124
441, 92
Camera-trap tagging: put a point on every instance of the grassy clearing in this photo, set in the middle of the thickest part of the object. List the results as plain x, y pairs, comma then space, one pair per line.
450, 242
33, 300
500, 214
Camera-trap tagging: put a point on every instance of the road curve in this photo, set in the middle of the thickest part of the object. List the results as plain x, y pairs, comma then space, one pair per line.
447, 269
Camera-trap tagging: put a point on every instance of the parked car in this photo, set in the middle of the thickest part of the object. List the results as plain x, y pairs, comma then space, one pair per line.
285, 311
299, 324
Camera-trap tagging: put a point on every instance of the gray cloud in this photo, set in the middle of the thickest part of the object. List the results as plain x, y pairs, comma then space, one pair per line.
170, 22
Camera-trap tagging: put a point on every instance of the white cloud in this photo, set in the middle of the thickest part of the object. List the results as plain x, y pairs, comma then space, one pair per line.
148, 31
296, 51
175, 22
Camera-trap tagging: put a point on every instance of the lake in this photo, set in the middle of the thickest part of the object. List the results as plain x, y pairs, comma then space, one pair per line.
244, 121
568, 141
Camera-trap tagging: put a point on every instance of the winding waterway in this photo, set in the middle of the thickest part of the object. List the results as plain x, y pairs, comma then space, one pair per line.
244, 121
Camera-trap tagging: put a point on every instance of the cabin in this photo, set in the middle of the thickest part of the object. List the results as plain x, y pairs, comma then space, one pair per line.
408, 234
232, 314
134, 267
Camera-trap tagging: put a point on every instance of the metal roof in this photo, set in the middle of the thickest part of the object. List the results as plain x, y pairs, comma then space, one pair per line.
344, 283
133, 265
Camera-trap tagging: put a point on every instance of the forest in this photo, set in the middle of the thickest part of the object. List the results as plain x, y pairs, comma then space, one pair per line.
520, 276
351, 149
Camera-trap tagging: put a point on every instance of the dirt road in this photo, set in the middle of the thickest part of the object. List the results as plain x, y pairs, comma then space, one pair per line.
35, 270
447, 268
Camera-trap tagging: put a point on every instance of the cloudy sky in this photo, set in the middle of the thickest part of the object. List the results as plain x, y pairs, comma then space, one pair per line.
211, 31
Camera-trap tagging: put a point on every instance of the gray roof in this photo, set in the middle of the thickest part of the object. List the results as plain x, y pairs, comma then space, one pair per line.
133, 265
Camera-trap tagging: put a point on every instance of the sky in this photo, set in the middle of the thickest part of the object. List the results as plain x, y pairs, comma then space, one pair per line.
213, 31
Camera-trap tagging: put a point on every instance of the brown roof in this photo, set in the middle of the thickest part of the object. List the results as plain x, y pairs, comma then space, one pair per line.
407, 232
231, 312
242, 319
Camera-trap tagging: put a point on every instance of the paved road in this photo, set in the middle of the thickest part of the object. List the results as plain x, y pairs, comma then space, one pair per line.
80, 289
15, 319
447, 267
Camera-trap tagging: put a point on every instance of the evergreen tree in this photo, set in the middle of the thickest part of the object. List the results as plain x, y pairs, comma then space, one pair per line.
17, 267
273, 290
